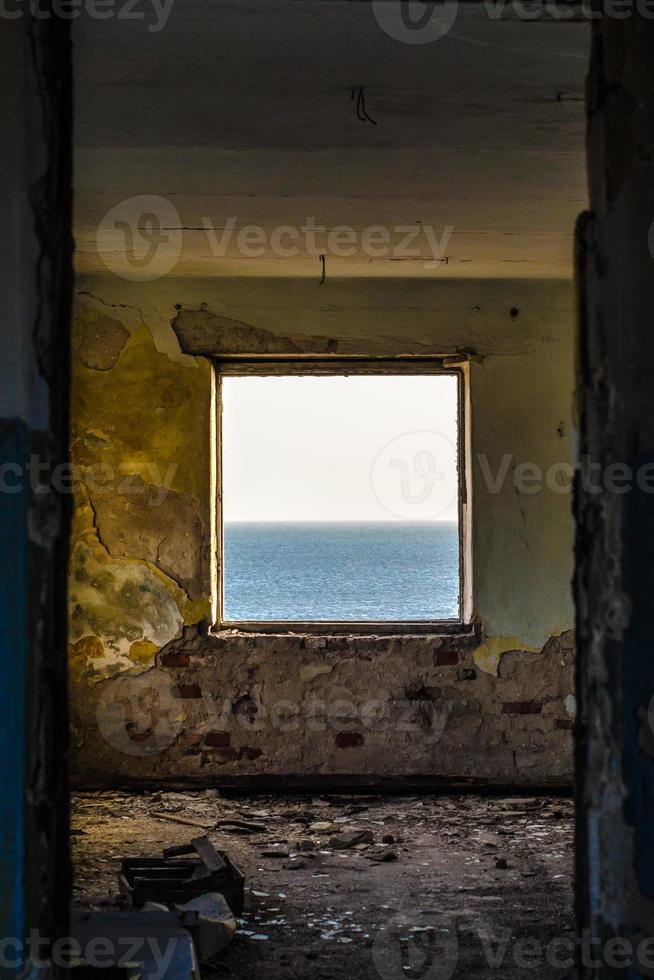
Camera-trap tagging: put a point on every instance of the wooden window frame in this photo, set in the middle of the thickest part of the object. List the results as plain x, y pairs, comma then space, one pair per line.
343, 367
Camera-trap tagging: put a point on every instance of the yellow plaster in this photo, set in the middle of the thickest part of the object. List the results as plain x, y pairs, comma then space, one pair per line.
489, 654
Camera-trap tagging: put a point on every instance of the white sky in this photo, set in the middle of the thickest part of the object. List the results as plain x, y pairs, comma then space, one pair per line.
363, 448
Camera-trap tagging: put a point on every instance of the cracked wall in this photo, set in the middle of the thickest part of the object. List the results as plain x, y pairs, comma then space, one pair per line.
156, 698
140, 554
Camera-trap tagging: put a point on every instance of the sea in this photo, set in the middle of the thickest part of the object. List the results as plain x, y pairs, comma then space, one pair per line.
341, 571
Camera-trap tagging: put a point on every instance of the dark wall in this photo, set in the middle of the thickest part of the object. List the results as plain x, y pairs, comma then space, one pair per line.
615, 536
35, 290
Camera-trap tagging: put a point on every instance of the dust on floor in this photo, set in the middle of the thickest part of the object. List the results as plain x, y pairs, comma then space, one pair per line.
451, 886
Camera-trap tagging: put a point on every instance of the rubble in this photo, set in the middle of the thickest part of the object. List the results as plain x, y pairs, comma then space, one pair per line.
352, 838
216, 924
314, 910
172, 879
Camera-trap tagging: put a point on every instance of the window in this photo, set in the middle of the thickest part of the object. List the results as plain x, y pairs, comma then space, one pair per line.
341, 496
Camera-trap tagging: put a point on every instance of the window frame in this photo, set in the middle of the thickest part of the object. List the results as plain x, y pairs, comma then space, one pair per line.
285, 365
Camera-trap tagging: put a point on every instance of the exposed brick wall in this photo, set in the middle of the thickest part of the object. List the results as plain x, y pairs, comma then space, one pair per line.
242, 706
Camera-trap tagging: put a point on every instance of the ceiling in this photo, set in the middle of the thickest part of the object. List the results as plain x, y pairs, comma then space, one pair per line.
244, 111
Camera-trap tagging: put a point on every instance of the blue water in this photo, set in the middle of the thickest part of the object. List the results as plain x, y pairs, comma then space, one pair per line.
375, 571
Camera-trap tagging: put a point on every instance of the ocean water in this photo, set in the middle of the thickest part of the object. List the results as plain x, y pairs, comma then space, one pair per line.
345, 571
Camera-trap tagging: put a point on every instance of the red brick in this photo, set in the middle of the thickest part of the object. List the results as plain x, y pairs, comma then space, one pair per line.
349, 740
140, 736
175, 660
190, 738
566, 723
522, 707
250, 753
188, 691
447, 658
217, 740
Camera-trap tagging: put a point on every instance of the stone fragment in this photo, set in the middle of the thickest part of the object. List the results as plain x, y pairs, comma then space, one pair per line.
216, 924
311, 671
350, 839
382, 857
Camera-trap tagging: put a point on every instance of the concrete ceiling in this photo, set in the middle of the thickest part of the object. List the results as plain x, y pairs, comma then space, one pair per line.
244, 110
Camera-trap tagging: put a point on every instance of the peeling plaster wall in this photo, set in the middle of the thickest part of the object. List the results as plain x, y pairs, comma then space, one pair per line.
155, 698
140, 556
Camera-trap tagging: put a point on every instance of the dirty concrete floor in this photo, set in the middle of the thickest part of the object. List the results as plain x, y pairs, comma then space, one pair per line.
470, 886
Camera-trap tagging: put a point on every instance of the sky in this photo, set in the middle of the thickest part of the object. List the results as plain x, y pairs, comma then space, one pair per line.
359, 448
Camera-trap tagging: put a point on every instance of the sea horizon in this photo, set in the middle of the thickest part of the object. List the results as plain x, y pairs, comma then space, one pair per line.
349, 520
341, 570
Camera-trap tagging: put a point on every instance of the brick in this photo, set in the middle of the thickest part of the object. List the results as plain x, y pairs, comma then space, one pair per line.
348, 740
140, 736
522, 707
418, 691
217, 740
190, 738
219, 757
566, 723
446, 658
251, 753
175, 660
188, 691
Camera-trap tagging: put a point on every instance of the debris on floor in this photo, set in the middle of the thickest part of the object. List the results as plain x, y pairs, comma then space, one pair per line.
350, 885
171, 879
212, 923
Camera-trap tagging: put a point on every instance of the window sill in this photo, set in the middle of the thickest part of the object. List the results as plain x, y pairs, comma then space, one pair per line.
436, 629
